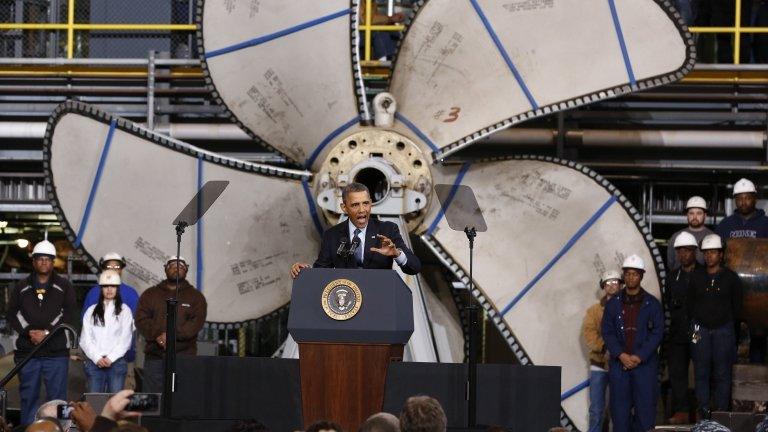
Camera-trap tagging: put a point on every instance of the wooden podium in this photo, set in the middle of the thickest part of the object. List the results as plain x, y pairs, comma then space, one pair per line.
349, 324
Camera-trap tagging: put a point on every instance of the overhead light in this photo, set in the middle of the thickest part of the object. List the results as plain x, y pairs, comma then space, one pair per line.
3, 224
22, 243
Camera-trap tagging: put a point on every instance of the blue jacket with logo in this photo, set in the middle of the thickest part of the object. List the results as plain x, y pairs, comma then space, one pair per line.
735, 226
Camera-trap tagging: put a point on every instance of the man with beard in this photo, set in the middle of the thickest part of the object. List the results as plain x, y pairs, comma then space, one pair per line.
380, 243
632, 327
714, 303
746, 222
678, 341
151, 323
696, 213
38, 303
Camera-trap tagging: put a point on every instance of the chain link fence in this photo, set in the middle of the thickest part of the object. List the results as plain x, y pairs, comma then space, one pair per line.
45, 33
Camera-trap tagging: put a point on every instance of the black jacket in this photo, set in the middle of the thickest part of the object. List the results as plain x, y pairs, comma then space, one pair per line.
675, 301
26, 311
714, 300
333, 236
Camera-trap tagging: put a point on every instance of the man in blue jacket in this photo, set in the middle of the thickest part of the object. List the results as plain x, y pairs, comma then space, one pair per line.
633, 327
746, 222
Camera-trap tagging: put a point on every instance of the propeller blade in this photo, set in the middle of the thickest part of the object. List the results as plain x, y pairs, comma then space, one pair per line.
118, 187
553, 227
468, 68
287, 71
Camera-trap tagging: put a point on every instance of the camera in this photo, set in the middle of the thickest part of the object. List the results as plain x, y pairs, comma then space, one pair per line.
64, 411
143, 402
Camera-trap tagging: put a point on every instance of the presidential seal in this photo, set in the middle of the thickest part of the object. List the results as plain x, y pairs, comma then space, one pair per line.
341, 299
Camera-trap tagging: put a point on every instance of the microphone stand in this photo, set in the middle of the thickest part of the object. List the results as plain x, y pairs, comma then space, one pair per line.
171, 304
472, 312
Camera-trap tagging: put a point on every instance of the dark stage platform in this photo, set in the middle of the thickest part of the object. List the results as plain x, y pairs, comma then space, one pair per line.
212, 391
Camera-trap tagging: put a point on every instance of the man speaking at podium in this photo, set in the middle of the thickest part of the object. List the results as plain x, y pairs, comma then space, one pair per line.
362, 242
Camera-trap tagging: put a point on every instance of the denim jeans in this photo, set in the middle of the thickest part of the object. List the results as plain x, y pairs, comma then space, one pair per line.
53, 372
598, 384
106, 380
713, 358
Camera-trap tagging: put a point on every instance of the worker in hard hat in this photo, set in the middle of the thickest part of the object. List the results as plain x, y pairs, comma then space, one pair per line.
129, 297
747, 221
610, 284
714, 304
678, 340
633, 327
106, 337
151, 323
38, 303
696, 214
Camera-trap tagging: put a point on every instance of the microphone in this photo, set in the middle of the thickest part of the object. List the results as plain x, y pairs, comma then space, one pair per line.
343, 250
353, 247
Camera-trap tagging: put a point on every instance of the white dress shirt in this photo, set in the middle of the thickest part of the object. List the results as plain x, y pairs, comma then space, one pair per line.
111, 340
400, 259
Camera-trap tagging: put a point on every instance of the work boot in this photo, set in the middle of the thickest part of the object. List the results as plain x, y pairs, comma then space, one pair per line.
680, 418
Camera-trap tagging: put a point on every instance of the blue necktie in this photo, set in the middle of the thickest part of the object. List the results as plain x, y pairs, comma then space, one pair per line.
360, 247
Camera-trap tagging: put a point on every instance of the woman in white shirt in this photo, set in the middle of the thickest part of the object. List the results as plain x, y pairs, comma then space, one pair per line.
106, 337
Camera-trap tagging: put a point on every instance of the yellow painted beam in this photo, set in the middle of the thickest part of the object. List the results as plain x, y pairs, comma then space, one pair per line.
382, 27
737, 34
70, 28
367, 29
134, 27
112, 27
84, 71
32, 26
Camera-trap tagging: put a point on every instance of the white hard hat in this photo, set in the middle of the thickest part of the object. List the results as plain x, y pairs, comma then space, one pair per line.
44, 248
633, 262
685, 239
173, 259
712, 241
111, 256
696, 202
609, 275
109, 278
744, 186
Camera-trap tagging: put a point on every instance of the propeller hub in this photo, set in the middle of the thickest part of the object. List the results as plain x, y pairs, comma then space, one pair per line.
393, 167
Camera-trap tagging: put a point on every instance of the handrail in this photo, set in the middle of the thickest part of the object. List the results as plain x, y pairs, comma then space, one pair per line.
9, 376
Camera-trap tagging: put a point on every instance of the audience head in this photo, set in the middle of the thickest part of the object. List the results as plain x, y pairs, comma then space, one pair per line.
381, 422
45, 424
49, 409
709, 426
324, 426
422, 414
126, 426
763, 426
248, 425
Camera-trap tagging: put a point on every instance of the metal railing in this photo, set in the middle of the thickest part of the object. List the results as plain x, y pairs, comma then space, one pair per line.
736, 30
71, 27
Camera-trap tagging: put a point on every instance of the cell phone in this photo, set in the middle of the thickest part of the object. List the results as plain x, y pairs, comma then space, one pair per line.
144, 402
64, 412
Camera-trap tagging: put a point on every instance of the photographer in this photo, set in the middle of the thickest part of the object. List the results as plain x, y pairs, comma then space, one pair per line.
115, 409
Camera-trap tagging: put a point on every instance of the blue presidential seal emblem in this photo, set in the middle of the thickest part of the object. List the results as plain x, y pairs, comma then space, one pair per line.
341, 299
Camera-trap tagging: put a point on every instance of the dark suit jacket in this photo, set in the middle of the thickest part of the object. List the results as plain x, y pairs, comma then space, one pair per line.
371, 260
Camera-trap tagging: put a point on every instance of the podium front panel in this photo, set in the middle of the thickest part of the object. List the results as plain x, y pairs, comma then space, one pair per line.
385, 315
